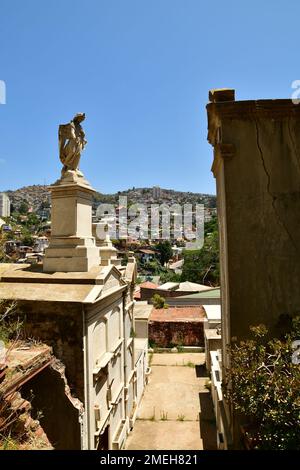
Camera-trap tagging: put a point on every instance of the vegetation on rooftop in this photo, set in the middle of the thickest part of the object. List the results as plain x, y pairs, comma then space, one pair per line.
159, 302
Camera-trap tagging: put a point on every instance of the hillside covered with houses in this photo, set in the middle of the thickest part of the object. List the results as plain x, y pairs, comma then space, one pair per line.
37, 197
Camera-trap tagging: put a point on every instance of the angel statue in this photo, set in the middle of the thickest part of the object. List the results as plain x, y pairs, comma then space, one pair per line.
71, 143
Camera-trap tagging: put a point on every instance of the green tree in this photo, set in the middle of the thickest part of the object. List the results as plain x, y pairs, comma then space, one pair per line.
169, 276
211, 226
154, 267
23, 209
202, 266
28, 240
165, 251
32, 220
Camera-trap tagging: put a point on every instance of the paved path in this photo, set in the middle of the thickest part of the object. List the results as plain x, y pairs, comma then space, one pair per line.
176, 411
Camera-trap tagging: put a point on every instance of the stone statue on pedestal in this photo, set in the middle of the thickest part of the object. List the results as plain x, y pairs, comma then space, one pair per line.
72, 247
71, 143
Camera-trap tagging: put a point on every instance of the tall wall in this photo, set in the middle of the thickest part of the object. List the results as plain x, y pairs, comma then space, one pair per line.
105, 337
257, 170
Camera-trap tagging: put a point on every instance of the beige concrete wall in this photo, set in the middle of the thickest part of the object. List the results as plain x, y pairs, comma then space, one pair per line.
141, 328
112, 391
105, 390
257, 168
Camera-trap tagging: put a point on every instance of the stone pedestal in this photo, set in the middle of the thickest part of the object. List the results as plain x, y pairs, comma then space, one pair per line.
108, 253
72, 247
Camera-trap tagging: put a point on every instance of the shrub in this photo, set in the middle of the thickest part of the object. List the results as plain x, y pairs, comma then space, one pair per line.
262, 384
159, 302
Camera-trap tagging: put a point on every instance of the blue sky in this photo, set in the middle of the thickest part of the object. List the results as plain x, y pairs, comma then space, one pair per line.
141, 71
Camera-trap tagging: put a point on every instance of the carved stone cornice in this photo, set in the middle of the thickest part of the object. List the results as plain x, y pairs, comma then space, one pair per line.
248, 110
221, 114
221, 151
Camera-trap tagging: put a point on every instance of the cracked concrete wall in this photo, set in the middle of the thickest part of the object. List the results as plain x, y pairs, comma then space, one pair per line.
258, 186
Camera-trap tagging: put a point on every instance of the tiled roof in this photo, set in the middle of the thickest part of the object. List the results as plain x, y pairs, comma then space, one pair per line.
178, 314
147, 251
149, 285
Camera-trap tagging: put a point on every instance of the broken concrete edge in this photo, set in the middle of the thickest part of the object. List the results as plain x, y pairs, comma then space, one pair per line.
23, 363
60, 368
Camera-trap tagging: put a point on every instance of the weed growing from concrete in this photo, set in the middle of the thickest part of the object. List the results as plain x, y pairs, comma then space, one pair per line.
163, 416
180, 417
152, 418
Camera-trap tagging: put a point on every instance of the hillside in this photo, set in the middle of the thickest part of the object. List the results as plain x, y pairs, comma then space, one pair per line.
38, 195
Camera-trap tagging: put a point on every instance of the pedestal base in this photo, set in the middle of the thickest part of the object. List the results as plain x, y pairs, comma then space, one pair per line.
71, 254
72, 247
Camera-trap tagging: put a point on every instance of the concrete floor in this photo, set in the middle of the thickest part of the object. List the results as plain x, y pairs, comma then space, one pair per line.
176, 410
